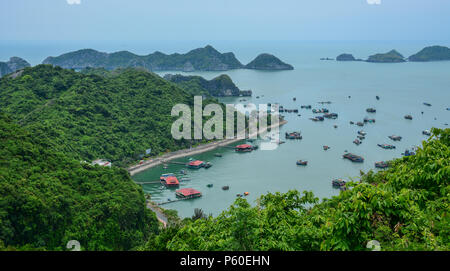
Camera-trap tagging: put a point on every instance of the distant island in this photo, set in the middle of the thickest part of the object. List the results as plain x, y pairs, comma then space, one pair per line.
390, 57
200, 59
431, 53
268, 62
14, 64
220, 86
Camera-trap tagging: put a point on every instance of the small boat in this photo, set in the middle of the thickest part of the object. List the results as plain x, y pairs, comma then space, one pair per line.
381, 164
294, 99
351, 122
218, 155
185, 179
377, 97
246, 193
302, 163
183, 171
356, 141
426, 132
207, 165
360, 137
353, 157
335, 126
306, 106
360, 123
293, 135
427, 104
386, 146
408, 117
408, 153
338, 182
361, 132
226, 187
395, 138
209, 185
326, 148
239, 195
371, 110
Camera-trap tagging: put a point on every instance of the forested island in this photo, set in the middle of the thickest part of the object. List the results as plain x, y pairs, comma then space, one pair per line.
200, 59
431, 53
268, 62
220, 86
14, 64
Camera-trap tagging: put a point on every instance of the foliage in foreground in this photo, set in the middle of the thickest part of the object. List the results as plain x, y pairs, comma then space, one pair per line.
404, 208
47, 199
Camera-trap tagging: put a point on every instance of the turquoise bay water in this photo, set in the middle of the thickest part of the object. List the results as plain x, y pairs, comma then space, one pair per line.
402, 88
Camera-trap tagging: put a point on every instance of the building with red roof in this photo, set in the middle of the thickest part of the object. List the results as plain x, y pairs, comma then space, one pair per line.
169, 181
196, 164
188, 193
244, 148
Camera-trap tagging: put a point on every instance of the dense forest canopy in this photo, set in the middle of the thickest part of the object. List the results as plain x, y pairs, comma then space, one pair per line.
47, 198
92, 116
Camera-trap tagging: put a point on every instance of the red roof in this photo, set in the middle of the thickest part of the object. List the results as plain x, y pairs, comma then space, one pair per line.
188, 191
196, 163
244, 146
171, 180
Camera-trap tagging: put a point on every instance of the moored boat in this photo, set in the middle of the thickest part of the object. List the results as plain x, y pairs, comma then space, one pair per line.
302, 163
386, 146
408, 117
338, 182
395, 138
353, 157
381, 164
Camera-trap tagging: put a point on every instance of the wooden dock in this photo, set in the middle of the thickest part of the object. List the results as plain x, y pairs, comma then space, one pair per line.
174, 162
170, 201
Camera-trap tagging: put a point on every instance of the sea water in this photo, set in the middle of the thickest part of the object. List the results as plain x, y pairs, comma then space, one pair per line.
402, 88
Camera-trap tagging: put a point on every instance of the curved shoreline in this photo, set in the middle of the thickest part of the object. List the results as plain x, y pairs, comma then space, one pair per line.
192, 151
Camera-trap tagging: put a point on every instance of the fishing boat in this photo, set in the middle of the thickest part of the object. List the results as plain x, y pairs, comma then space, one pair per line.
426, 132
353, 157
361, 132
325, 148
386, 146
395, 138
338, 182
408, 117
226, 187
371, 110
356, 141
293, 135
302, 163
381, 164
360, 123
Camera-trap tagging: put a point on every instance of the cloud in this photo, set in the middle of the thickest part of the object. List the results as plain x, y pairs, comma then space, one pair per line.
374, 2
77, 2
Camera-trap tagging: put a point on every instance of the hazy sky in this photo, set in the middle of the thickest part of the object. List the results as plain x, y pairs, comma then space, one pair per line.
225, 20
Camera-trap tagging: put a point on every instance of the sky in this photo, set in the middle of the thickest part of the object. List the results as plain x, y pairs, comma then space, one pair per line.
224, 20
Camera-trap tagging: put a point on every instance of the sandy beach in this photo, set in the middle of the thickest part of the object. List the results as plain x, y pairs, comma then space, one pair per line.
189, 152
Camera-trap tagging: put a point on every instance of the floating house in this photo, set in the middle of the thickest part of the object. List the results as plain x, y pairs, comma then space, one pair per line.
169, 180
244, 148
187, 193
196, 164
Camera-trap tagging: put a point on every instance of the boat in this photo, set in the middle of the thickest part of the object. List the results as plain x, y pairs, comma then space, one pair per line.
294, 99
360, 137
426, 132
360, 123
246, 193
209, 185
427, 104
326, 148
185, 179
239, 195
386, 146
183, 172
302, 163
361, 132
226, 187
377, 97
187, 193
408, 117
356, 141
351, 122
207, 165
395, 138
218, 155
293, 135
338, 182
408, 153
353, 157
371, 110
330, 115
381, 164
306, 106
335, 126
